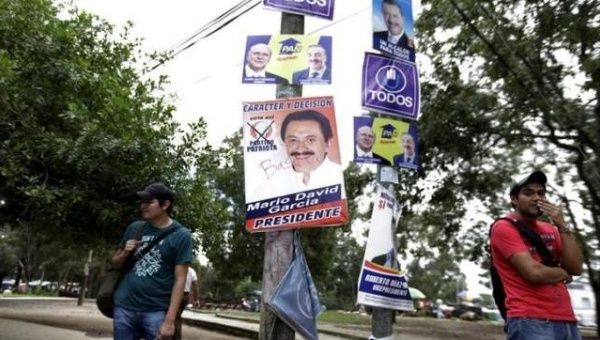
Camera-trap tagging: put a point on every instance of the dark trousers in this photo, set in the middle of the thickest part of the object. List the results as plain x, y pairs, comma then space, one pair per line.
178, 321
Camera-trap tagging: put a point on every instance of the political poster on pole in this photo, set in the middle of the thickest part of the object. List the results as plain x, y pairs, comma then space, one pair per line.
393, 28
381, 283
318, 8
386, 141
288, 58
391, 86
293, 173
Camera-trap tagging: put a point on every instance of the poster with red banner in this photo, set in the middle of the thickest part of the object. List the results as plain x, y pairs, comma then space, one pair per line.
292, 166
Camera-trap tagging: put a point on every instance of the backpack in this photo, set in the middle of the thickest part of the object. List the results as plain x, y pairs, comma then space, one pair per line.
535, 240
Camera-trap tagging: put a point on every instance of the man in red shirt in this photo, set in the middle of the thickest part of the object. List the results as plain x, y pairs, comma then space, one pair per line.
537, 301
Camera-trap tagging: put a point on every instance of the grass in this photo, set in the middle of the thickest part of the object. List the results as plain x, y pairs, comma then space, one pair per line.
333, 316
343, 317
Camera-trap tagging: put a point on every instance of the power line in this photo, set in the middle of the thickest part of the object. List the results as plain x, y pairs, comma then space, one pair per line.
211, 23
208, 26
206, 77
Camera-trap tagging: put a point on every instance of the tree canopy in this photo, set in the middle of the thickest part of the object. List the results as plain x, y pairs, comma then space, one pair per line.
82, 129
509, 86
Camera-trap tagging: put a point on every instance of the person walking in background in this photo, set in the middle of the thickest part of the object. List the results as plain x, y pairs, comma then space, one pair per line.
190, 296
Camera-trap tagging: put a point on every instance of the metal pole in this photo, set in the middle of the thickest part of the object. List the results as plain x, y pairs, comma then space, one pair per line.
382, 319
279, 244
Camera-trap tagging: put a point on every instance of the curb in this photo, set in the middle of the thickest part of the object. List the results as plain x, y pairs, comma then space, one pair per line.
228, 329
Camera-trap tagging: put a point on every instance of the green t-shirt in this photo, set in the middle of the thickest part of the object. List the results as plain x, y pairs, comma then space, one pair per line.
148, 285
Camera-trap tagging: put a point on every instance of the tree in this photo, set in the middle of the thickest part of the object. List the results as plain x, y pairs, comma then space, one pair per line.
513, 85
82, 129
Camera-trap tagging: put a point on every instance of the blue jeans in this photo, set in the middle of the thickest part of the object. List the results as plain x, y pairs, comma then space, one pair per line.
132, 325
535, 329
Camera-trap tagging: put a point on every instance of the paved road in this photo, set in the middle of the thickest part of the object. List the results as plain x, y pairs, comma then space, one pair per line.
20, 330
27, 319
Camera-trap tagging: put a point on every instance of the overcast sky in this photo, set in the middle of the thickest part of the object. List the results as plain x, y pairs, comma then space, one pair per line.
206, 78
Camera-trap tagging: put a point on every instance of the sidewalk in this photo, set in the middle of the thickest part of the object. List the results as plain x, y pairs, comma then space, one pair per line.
248, 328
64, 313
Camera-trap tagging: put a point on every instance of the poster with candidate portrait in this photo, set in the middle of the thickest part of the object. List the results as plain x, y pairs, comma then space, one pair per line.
393, 28
292, 166
287, 58
391, 86
318, 8
381, 282
386, 141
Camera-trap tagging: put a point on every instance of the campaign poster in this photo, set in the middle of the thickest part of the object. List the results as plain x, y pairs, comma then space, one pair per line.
292, 166
318, 8
381, 282
393, 28
386, 141
287, 59
391, 86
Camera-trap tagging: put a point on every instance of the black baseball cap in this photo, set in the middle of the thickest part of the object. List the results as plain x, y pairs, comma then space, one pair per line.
535, 177
157, 190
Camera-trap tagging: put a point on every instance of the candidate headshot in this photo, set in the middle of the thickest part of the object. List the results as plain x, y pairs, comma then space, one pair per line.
395, 22
307, 138
317, 70
364, 141
363, 150
257, 59
408, 156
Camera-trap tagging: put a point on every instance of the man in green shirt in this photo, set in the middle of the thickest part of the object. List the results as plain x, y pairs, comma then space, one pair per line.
148, 296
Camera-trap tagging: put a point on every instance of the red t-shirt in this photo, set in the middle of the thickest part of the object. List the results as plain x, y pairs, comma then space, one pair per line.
523, 298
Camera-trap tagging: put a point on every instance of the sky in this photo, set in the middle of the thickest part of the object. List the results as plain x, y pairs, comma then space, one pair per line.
206, 78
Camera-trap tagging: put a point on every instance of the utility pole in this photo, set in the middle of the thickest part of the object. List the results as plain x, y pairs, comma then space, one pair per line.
382, 319
86, 276
279, 244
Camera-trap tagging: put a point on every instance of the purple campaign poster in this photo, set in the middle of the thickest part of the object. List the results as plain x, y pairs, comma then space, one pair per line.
393, 28
318, 8
391, 86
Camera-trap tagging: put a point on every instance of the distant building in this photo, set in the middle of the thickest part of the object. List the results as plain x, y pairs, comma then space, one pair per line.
583, 301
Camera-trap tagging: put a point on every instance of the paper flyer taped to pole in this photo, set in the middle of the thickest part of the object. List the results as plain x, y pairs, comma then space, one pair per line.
381, 282
292, 166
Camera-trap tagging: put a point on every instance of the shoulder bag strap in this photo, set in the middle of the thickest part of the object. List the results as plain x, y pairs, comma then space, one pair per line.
152, 244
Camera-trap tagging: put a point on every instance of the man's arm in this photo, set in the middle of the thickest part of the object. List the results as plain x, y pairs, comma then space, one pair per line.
167, 329
571, 258
121, 255
536, 272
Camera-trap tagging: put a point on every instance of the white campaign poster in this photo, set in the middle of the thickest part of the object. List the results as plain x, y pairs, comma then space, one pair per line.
381, 282
292, 167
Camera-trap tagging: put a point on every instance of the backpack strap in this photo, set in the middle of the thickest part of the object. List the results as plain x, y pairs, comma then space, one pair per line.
533, 238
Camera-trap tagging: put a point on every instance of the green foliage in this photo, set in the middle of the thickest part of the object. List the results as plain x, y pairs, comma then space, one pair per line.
502, 97
245, 287
82, 130
438, 278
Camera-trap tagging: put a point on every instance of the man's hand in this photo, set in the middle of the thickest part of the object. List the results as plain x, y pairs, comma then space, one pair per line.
554, 212
131, 245
167, 330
